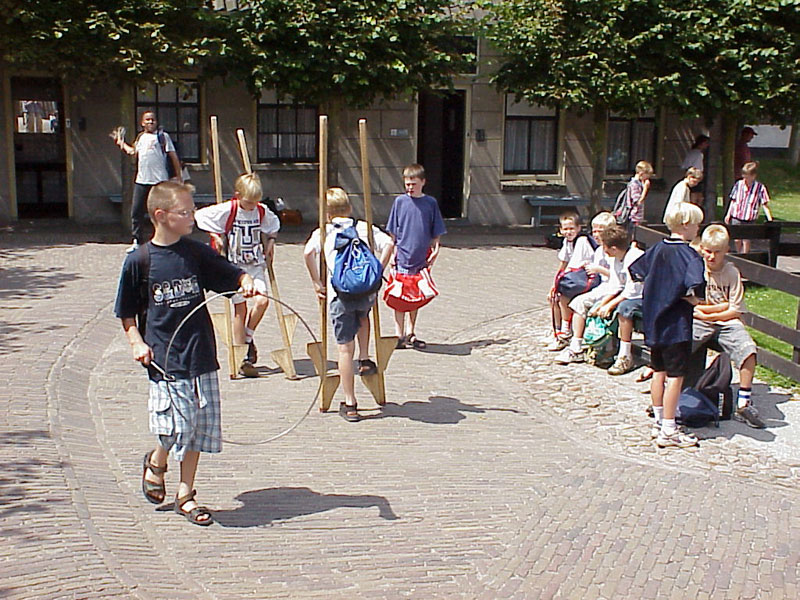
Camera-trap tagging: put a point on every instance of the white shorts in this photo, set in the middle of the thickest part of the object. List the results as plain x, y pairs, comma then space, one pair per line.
258, 273
583, 303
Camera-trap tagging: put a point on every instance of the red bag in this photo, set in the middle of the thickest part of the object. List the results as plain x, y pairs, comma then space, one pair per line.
405, 292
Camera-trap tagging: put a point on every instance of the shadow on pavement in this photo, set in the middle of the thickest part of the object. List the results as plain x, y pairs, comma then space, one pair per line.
265, 506
767, 404
462, 349
438, 410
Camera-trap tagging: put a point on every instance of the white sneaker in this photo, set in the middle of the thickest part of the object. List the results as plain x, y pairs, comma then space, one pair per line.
679, 439
560, 342
567, 355
622, 365
132, 247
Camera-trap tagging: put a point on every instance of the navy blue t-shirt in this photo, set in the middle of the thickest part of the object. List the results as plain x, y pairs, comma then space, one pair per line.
414, 222
671, 270
178, 276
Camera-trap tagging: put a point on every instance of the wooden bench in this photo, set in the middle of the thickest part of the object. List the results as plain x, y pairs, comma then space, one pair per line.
538, 202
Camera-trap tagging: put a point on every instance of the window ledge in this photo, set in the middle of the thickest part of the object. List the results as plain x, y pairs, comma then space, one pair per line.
512, 185
285, 166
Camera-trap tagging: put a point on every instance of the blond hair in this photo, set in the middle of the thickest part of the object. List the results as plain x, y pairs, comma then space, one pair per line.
165, 196
716, 237
603, 219
248, 187
644, 167
694, 172
415, 170
750, 168
337, 203
684, 213
570, 215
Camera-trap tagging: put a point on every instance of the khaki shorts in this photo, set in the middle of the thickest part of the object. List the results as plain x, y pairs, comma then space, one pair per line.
731, 336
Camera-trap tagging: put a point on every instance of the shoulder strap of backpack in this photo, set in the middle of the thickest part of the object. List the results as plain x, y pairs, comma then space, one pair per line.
162, 141
232, 215
261, 212
144, 285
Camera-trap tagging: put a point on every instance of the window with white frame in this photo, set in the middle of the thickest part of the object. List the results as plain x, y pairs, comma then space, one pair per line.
177, 108
531, 143
629, 141
287, 131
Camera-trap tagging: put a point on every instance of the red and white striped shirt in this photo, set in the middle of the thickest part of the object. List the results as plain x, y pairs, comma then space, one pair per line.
746, 201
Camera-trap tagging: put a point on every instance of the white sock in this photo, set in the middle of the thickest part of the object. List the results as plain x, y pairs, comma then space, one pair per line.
668, 426
743, 398
658, 413
576, 344
625, 349
248, 334
565, 326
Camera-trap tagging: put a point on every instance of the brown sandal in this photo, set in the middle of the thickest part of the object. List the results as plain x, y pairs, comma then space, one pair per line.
193, 516
153, 492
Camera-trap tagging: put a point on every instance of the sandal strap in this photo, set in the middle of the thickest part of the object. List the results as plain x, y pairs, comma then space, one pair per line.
187, 498
156, 470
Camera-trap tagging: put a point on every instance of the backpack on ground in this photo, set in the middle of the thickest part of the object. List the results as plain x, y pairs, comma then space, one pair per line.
357, 272
600, 337
622, 207
700, 405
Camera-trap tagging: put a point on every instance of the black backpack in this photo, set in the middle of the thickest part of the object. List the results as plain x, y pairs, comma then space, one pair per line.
711, 395
622, 208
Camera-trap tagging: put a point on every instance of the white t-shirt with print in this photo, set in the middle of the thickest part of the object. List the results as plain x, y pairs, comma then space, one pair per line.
244, 239
152, 161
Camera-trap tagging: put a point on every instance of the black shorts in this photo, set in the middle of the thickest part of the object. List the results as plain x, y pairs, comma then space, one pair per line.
674, 358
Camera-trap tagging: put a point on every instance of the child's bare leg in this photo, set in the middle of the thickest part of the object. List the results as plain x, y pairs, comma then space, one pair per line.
745, 246
346, 373
412, 322
239, 315
188, 471
578, 325
399, 323
256, 312
747, 372
625, 329
363, 338
672, 393
158, 459
566, 313
657, 389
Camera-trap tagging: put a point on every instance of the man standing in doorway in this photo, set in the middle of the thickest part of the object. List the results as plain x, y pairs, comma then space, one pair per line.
152, 148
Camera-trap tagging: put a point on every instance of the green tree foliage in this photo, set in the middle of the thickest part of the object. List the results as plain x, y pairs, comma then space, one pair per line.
120, 40
316, 50
587, 55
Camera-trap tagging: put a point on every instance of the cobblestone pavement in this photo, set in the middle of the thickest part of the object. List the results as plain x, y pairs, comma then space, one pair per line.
491, 473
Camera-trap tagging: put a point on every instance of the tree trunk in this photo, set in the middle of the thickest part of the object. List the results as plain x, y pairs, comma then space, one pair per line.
599, 152
710, 175
335, 110
794, 143
730, 126
128, 118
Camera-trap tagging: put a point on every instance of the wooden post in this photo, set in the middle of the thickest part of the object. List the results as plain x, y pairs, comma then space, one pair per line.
287, 323
384, 346
222, 322
318, 351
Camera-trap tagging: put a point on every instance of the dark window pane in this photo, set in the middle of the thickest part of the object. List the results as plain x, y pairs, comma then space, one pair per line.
516, 146
189, 147
267, 120
306, 120
287, 117
168, 118
643, 143
618, 145
188, 119
306, 146
542, 146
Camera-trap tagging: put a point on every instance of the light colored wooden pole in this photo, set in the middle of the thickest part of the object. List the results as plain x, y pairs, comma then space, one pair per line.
223, 322
318, 351
384, 346
282, 357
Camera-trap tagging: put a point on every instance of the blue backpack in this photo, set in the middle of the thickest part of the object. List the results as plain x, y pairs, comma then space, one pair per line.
357, 272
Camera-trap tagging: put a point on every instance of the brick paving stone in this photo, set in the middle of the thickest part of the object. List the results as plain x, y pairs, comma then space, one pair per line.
491, 473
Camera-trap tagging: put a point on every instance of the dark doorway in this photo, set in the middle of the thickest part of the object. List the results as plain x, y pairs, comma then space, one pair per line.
39, 147
441, 148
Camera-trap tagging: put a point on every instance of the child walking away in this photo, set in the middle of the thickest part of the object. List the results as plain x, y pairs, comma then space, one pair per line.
244, 230
161, 283
349, 313
747, 197
630, 212
416, 225
717, 318
673, 283
577, 251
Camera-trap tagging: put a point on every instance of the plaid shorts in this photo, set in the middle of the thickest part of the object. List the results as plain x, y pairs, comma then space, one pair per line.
196, 424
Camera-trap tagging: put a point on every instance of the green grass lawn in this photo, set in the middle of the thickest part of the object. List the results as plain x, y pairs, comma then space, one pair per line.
782, 308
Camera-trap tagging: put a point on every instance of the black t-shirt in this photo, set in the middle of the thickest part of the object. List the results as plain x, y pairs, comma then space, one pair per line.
178, 276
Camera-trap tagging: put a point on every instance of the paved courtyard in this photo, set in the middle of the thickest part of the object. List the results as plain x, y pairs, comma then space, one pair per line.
491, 473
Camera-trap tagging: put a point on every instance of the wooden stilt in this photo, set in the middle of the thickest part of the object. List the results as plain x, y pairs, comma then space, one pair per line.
384, 346
286, 323
318, 351
236, 352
